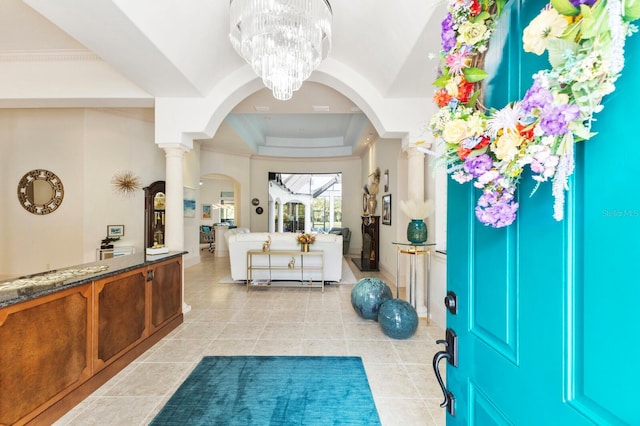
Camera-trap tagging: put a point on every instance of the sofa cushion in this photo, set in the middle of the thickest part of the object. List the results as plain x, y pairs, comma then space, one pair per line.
252, 237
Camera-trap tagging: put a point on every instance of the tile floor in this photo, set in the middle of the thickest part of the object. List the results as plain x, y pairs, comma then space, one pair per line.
225, 319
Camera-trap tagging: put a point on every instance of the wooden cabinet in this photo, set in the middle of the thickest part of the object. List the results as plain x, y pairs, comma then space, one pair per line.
166, 292
57, 349
370, 243
45, 352
120, 315
154, 210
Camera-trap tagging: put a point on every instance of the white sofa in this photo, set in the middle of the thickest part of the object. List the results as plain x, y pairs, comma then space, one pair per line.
241, 241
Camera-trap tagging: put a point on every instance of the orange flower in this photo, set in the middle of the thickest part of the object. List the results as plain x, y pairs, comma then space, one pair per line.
525, 131
465, 90
442, 98
463, 153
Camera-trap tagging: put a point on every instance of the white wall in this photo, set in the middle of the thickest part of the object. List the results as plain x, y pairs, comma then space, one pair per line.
85, 148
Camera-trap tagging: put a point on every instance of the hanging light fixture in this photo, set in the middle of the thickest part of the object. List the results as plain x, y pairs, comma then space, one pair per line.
282, 40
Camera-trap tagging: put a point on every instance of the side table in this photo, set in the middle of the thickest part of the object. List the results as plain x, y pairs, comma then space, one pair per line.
413, 250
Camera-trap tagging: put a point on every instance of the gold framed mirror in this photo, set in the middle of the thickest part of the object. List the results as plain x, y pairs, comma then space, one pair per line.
40, 192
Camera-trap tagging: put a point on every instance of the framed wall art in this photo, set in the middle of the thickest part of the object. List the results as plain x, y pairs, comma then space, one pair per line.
386, 209
189, 202
115, 231
206, 211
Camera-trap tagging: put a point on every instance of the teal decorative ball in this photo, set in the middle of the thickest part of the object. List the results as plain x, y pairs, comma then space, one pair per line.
367, 296
398, 319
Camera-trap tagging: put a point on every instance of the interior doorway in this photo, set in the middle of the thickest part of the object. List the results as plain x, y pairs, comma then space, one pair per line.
305, 202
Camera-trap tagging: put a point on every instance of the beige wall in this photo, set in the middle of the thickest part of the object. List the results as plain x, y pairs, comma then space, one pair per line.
85, 148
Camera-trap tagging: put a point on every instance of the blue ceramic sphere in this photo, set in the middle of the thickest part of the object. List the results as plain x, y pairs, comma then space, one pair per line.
367, 296
398, 319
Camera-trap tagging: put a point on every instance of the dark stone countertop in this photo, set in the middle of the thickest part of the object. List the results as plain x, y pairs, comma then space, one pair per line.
21, 289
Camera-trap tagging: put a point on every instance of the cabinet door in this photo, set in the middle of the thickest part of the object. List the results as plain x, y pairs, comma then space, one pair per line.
44, 352
120, 315
166, 292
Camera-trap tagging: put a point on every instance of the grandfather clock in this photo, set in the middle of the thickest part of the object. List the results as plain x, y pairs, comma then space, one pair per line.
154, 206
370, 243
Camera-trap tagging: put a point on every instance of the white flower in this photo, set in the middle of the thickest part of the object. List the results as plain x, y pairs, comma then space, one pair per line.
485, 178
454, 131
506, 146
461, 177
505, 119
471, 33
546, 25
476, 124
417, 209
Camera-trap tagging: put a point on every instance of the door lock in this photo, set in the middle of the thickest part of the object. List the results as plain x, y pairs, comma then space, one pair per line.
451, 302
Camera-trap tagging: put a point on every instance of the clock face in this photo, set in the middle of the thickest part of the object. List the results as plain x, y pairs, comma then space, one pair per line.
259, 210
255, 201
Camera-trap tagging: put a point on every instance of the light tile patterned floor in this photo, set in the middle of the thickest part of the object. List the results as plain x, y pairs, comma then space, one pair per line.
225, 319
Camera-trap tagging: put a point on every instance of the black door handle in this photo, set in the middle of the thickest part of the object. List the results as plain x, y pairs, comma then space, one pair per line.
451, 355
436, 360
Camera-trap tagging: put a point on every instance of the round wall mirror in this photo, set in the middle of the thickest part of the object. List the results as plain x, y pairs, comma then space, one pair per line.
40, 191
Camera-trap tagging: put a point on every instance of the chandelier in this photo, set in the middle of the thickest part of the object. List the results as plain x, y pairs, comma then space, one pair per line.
282, 40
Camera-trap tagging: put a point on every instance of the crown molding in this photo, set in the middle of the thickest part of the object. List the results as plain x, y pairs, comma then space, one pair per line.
49, 55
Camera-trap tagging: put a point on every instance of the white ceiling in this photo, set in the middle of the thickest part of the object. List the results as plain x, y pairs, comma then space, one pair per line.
131, 53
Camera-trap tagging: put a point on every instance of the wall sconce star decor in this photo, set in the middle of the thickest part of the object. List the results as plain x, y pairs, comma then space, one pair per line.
125, 183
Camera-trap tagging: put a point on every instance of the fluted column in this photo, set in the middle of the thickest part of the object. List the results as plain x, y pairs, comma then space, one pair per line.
174, 188
415, 170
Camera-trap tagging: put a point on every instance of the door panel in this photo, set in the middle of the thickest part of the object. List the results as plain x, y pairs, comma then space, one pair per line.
546, 327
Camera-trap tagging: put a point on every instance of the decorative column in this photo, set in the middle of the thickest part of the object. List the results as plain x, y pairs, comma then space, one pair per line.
174, 188
416, 191
280, 216
332, 206
307, 216
271, 216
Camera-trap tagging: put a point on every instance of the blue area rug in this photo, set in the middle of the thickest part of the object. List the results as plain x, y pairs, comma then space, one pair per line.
273, 390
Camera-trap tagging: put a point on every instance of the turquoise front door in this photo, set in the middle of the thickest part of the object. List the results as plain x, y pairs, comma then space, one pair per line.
547, 322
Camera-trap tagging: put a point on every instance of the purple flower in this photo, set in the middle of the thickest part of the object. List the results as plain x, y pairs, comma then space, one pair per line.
577, 3
555, 119
536, 97
496, 209
448, 33
479, 165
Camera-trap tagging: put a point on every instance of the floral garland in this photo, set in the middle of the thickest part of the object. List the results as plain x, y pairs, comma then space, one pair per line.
585, 41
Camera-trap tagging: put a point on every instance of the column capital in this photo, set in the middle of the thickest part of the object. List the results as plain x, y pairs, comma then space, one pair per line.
174, 148
419, 135
413, 152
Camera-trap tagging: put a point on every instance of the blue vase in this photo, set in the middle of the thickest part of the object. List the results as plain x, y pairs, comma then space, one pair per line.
417, 231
